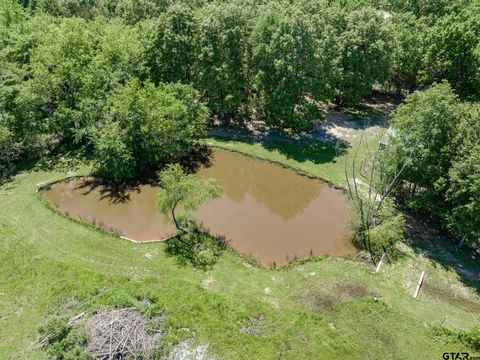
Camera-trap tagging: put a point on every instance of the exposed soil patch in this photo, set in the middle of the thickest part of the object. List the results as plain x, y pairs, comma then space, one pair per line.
342, 126
339, 123
452, 297
337, 126
383, 103
326, 296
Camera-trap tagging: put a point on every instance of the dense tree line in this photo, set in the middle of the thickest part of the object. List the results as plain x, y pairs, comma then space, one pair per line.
82, 72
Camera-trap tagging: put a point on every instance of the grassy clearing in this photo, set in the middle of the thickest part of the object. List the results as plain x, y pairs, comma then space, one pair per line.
330, 307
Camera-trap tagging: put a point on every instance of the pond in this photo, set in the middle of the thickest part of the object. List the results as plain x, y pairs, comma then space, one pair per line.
266, 211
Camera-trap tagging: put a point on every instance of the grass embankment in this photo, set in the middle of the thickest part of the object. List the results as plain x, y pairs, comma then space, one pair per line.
334, 308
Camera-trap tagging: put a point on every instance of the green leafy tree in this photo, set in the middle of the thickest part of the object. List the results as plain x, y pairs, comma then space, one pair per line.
425, 125
113, 158
16, 48
134, 11
451, 51
409, 38
48, 100
292, 68
463, 194
432, 8
438, 137
185, 192
11, 13
222, 75
365, 54
71, 71
173, 51
153, 125
86, 9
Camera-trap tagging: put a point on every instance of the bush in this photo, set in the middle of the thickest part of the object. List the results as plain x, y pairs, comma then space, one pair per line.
62, 341
390, 230
9, 151
471, 338
377, 234
54, 329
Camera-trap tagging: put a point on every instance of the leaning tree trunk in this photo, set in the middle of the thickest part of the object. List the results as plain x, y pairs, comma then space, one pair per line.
177, 224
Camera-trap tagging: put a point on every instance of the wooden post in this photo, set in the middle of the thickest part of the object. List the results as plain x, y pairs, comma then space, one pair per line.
379, 263
420, 281
445, 319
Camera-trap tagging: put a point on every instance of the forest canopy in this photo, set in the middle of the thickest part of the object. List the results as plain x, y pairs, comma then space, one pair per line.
275, 61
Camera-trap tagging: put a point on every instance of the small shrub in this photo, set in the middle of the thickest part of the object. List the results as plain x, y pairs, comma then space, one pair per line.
390, 230
377, 235
54, 329
9, 151
471, 338
62, 341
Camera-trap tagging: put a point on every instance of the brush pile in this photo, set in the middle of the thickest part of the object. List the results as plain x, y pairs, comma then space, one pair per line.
115, 334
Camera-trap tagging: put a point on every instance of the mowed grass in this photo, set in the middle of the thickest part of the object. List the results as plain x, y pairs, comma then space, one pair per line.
323, 308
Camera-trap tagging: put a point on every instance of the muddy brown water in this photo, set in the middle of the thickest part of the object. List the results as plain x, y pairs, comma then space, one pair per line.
266, 211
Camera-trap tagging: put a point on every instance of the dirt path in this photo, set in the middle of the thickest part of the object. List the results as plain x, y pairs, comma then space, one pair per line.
336, 126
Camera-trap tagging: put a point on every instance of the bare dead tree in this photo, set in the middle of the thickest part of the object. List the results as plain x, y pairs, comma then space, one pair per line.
379, 184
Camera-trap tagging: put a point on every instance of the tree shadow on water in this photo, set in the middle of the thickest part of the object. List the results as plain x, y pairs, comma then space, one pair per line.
196, 248
200, 156
119, 191
113, 191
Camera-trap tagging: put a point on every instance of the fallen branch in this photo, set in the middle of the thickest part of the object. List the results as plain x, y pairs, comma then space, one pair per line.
74, 319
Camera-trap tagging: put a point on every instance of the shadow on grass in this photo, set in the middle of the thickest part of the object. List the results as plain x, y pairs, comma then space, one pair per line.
374, 106
197, 249
63, 158
428, 239
301, 150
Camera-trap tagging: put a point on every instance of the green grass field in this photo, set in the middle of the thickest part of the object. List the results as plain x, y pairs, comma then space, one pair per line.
323, 308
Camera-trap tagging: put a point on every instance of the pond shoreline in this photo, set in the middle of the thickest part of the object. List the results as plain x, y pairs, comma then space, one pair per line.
279, 163
120, 205
57, 211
